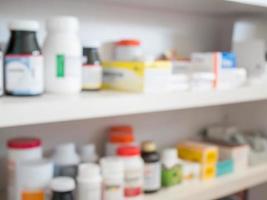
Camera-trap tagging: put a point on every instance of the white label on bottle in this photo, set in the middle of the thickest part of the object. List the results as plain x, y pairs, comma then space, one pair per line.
24, 74
1, 75
133, 182
91, 77
68, 66
152, 176
113, 192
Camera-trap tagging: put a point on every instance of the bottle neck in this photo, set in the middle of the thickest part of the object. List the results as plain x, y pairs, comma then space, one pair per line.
23, 42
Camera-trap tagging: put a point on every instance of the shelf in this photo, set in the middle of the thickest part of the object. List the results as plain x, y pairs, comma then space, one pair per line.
16, 111
217, 188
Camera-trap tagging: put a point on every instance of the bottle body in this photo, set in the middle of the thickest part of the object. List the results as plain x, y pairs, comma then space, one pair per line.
1, 74
62, 196
23, 65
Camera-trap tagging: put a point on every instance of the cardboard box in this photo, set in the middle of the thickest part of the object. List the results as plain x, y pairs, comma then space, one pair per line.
148, 77
191, 171
224, 167
208, 172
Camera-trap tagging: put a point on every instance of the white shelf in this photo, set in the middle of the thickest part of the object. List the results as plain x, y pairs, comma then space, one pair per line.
15, 111
214, 189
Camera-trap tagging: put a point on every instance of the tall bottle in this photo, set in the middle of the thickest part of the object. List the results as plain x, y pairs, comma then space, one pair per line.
62, 188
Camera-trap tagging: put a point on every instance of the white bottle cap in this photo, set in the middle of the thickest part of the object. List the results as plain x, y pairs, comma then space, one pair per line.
24, 25
63, 24
35, 174
91, 44
112, 166
66, 155
62, 184
88, 153
170, 157
89, 172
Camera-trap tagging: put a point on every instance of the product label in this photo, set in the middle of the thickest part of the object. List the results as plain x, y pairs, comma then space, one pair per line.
113, 192
133, 182
152, 175
171, 176
24, 74
67, 66
91, 77
33, 195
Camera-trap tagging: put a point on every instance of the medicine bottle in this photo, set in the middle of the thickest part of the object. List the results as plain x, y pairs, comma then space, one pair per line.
88, 154
62, 188
23, 60
63, 56
1, 74
152, 171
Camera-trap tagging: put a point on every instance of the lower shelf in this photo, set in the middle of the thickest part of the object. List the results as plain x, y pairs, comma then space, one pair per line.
216, 188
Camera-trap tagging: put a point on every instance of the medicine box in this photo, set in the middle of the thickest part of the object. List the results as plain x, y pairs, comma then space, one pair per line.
148, 77
208, 171
191, 171
224, 167
198, 152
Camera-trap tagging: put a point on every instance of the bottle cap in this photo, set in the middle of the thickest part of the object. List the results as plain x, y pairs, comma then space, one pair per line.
129, 42
35, 174
63, 24
121, 134
128, 151
122, 128
24, 143
89, 172
24, 25
149, 146
62, 184
170, 157
88, 153
66, 155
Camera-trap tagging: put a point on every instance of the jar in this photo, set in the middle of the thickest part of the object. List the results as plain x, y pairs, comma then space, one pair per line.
62, 188
128, 50
19, 150
23, 60
152, 171
89, 182
92, 71
113, 178
1, 74
171, 168
66, 160
34, 179
133, 172
119, 136
63, 56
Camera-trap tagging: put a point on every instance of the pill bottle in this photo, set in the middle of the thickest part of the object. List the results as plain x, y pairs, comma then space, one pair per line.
34, 179
66, 160
113, 178
88, 154
119, 136
1, 74
133, 172
23, 61
92, 72
62, 188
63, 56
171, 168
89, 182
19, 150
128, 50
152, 168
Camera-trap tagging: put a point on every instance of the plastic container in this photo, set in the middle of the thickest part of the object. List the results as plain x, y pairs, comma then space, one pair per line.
133, 172
128, 50
89, 182
34, 179
171, 168
92, 72
62, 188
23, 60
19, 150
152, 172
119, 136
113, 178
63, 56
88, 154
1, 74
66, 160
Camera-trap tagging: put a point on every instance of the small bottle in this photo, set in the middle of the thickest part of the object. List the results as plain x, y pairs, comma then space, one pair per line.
23, 60
92, 71
88, 154
113, 178
62, 188
66, 160
171, 168
89, 182
152, 172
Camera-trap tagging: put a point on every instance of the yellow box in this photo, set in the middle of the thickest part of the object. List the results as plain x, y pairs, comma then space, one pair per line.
198, 152
208, 171
137, 76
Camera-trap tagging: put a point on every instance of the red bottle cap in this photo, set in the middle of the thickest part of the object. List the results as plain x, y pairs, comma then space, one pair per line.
128, 43
24, 143
128, 151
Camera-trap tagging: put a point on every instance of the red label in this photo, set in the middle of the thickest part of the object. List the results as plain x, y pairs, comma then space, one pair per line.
132, 192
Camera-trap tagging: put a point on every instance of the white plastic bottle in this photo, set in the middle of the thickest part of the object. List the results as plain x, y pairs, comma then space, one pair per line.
63, 56
89, 182
66, 160
113, 178
88, 154
1, 74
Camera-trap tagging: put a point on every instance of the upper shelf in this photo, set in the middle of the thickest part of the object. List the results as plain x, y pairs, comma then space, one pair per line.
16, 111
